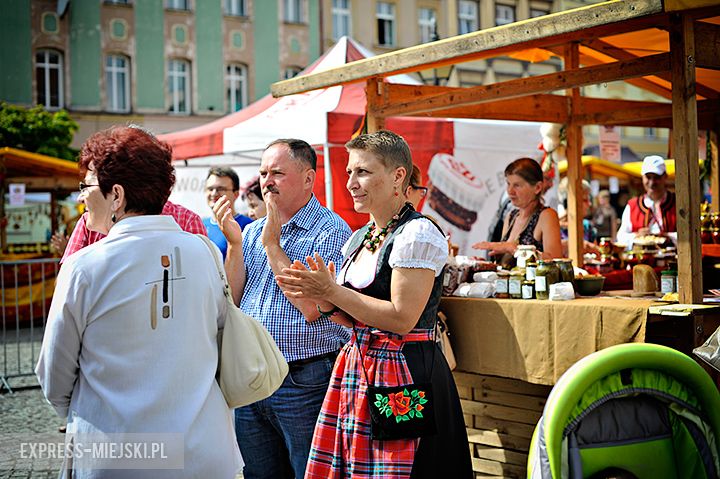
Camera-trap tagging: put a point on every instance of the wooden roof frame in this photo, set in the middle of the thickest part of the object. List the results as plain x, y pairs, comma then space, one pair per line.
578, 36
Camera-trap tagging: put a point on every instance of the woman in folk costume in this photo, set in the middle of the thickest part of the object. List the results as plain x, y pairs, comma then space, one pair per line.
130, 345
388, 290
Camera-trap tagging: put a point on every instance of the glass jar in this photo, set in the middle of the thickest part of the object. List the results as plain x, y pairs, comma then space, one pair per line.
668, 281
530, 268
545, 275
716, 235
605, 246
525, 253
567, 273
515, 284
528, 289
501, 285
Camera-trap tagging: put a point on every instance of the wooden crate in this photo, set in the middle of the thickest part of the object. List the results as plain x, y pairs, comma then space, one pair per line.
500, 415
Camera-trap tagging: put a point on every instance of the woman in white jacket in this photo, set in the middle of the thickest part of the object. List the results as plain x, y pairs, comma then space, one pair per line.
130, 353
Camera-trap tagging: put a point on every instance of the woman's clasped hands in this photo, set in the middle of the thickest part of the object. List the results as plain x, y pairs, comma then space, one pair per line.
315, 282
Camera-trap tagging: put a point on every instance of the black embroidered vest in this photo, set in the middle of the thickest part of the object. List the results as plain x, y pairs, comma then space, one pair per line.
380, 287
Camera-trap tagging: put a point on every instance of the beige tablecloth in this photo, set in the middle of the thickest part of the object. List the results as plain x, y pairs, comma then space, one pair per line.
537, 341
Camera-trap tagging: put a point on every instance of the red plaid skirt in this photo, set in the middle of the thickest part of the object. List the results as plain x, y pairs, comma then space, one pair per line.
341, 445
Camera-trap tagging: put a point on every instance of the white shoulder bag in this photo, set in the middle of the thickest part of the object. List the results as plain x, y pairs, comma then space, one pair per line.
252, 367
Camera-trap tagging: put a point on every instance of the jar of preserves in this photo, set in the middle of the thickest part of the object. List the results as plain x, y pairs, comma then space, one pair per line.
530, 269
525, 253
605, 246
501, 285
668, 281
565, 266
515, 284
528, 289
545, 275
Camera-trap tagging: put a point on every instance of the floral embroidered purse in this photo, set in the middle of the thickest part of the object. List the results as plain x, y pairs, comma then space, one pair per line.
401, 412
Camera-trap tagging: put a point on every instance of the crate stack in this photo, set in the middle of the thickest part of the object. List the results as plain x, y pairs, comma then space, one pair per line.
500, 416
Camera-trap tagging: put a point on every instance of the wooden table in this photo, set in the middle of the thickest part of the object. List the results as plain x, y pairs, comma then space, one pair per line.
510, 352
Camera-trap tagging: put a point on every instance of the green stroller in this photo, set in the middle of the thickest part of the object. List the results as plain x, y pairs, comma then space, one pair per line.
629, 411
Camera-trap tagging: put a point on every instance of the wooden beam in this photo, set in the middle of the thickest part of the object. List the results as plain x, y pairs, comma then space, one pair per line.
707, 47
573, 132
620, 54
626, 112
685, 151
554, 29
713, 138
375, 92
540, 108
46, 183
533, 85
643, 83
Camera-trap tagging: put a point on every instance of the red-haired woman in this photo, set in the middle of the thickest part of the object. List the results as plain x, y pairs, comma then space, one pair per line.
130, 344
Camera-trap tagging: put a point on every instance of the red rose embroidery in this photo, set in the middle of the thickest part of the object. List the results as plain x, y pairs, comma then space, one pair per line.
419, 407
421, 394
399, 403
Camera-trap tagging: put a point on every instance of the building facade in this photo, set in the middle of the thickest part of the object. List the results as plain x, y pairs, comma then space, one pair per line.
174, 64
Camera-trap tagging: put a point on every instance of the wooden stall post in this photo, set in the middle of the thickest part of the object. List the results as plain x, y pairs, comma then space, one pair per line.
713, 138
575, 192
685, 151
375, 92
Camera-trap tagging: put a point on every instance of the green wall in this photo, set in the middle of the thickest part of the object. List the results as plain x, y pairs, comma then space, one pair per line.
86, 55
267, 46
16, 69
149, 55
209, 57
314, 21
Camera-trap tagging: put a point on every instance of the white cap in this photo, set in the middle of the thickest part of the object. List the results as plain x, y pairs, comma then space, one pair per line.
653, 164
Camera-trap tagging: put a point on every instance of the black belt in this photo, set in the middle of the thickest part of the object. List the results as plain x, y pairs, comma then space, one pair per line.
302, 362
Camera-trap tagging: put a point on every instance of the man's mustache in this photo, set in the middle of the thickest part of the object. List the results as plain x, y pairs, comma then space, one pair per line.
271, 189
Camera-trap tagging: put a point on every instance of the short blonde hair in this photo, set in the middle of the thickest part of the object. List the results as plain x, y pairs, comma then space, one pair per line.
390, 148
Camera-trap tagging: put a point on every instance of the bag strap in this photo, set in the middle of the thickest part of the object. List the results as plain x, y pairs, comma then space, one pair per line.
218, 264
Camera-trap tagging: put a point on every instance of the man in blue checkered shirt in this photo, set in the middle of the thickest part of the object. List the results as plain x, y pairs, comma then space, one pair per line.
275, 434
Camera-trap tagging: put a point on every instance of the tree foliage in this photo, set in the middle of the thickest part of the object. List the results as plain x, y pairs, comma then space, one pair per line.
38, 130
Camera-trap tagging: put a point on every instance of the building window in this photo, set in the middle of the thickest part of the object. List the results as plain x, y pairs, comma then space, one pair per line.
504, 14
117, 83
179, 87
538, 12
294, 11
49, 79
236, 8
50, 23
426, 20
385, 15
651, 133
177, 4
236, 82
290, 72
467, 16
341, 18
118, 2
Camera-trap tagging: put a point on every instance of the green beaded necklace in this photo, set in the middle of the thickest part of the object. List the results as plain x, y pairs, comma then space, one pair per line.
371, 241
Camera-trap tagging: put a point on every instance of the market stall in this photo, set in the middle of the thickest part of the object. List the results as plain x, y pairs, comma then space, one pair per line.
509, 351
35, 173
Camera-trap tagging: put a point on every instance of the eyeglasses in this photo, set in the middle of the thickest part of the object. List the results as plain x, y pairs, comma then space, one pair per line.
84, 186
422, 189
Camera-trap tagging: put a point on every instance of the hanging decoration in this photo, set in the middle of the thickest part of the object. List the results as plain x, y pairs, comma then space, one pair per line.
553, 145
